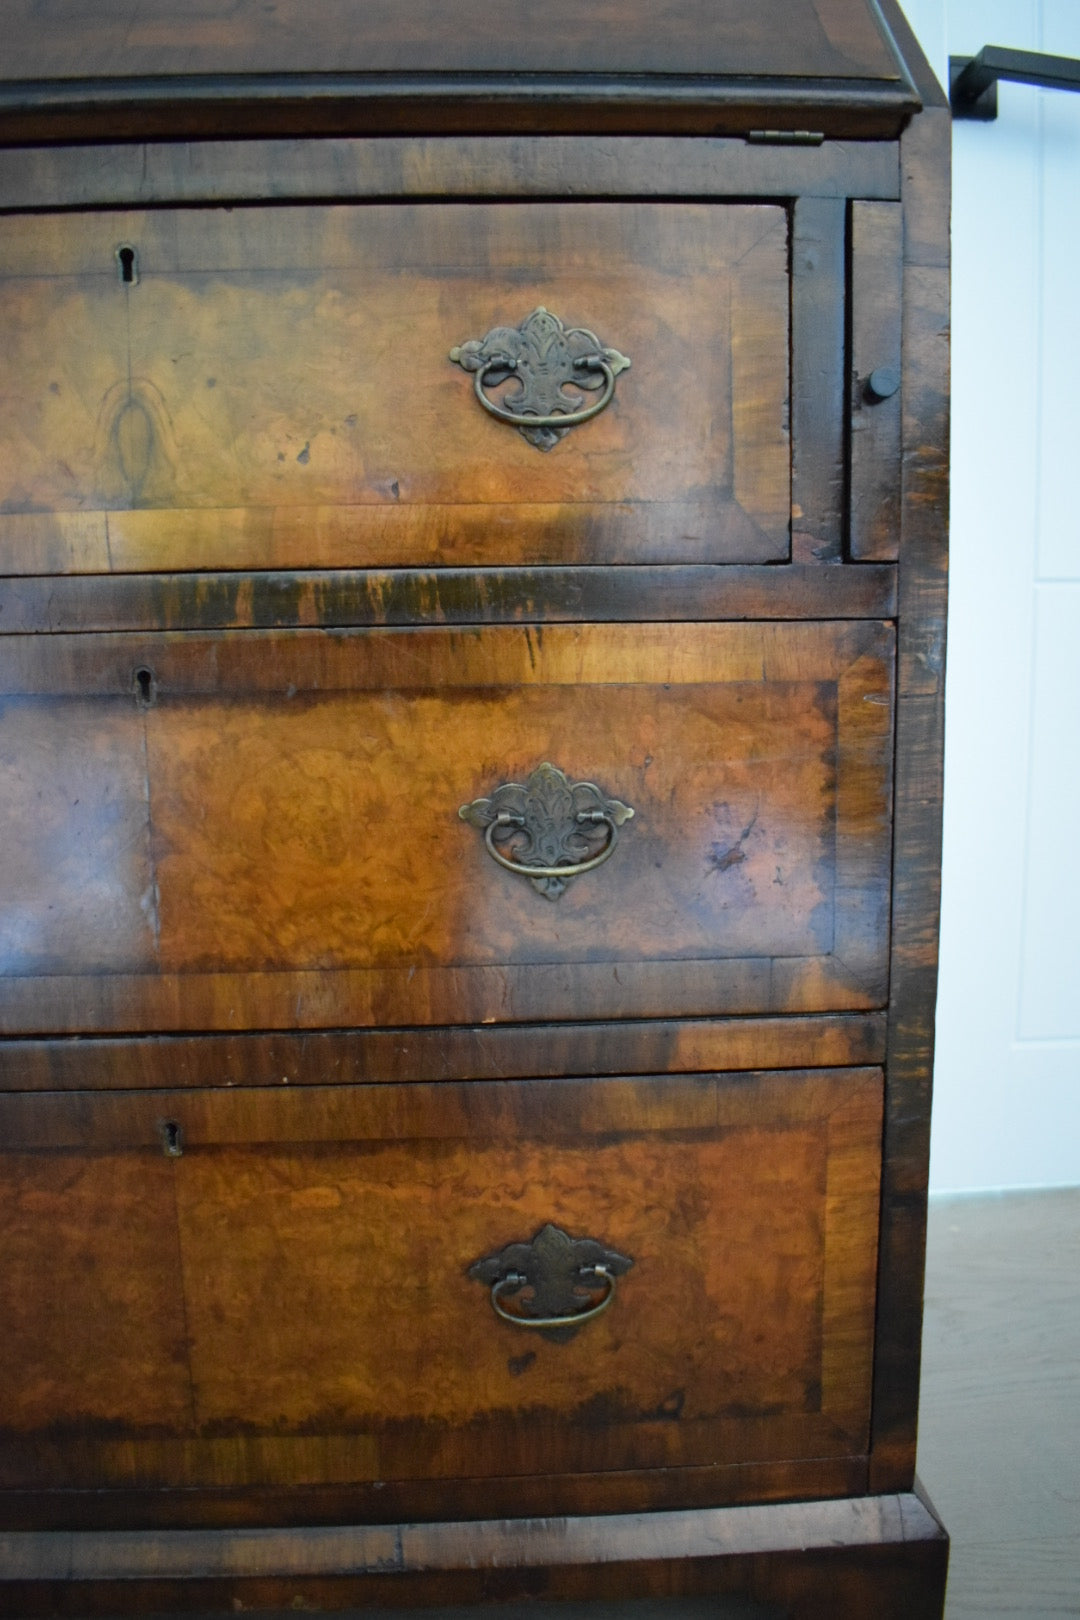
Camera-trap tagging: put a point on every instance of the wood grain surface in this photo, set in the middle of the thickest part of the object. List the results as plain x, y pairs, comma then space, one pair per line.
917, 849
380, 1501
800, 1561
488, 1052
101, 1343
215, 171
292, 789
283, 396
818, 265
294, 598
85, 867
875, 423
75, 38
241, 106
319, 1257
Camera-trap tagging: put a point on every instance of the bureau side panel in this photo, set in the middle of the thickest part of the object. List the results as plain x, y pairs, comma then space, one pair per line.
917, 861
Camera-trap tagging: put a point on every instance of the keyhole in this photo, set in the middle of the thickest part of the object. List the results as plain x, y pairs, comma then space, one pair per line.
127, 264
145, 688
172, 1138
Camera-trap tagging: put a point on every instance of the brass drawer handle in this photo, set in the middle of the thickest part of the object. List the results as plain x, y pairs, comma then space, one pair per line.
515, 1280
559, 419
505, 819
561, 1273
544, 357
552, 815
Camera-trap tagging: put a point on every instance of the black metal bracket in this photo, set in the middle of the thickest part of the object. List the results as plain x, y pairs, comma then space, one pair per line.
973, 80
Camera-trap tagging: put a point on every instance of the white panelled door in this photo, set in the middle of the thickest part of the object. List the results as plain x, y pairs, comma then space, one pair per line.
1007, 1079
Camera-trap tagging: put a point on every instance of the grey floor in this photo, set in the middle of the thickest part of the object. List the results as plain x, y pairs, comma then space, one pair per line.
999, 1435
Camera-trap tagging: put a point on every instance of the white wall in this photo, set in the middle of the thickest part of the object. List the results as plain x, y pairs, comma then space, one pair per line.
1007, 1078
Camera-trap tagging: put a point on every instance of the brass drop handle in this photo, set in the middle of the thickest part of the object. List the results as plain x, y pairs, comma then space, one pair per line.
544, 358
556, 1270
503, 363
505, 819
514, 1280
553, 816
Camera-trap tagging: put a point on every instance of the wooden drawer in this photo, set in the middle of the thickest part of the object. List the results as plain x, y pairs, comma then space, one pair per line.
289, 1301
262, 831
281, 395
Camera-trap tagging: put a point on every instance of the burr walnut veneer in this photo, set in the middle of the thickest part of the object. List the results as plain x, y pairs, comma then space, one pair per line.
471, 652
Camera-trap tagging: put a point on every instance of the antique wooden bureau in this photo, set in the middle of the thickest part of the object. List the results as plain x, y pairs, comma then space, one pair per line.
471, 642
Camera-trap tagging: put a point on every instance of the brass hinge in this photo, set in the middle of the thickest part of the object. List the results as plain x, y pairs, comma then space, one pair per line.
786, 137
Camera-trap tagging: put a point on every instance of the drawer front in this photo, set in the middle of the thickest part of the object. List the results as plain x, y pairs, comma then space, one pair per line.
280, 1287
276, 389
264, 831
